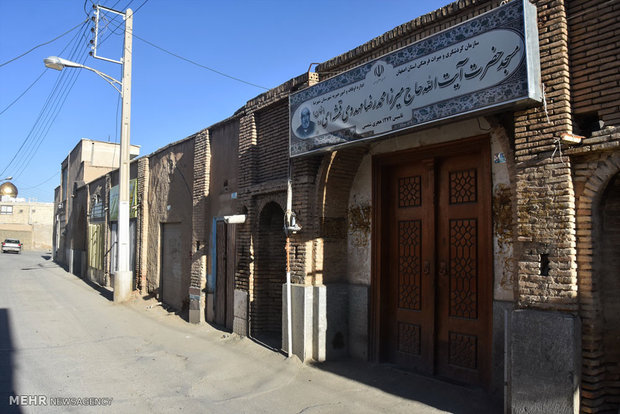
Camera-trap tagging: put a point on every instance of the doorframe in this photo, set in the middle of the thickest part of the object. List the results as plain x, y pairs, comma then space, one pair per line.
230, 253
380, 163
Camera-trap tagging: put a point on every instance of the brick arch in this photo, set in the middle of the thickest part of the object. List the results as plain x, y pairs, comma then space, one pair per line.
335, 177
589, 240
269, 274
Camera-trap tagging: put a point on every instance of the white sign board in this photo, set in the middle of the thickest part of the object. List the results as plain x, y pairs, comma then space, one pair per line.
489, 62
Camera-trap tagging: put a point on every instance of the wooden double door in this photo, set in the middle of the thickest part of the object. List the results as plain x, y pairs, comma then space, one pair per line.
434, 283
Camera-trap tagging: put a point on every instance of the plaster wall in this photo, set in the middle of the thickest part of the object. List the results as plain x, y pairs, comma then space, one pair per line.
37, 218
104, 154
169, 201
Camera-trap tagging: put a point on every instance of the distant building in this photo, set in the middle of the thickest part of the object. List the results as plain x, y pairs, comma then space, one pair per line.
87, 161
30, 222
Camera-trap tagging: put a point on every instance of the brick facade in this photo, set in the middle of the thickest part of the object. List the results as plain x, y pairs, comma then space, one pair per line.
596, 165
200, 189
551, 253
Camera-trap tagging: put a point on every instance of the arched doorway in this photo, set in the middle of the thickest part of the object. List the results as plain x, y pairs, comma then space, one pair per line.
608, 275
270, 275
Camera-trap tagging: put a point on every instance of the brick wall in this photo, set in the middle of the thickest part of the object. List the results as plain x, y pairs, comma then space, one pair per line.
272, 142
270, 271
595, 164
142, 224
545, 197
594, 33
202, 161
337, 172
263, 171
200, 245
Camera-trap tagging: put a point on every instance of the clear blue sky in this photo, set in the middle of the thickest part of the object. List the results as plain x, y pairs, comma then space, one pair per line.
262, 42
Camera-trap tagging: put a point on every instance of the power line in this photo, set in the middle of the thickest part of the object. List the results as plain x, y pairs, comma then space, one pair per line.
41, 113
42, 182
43, 44
50, 110
34, 138
176, 55
198, 64
51, 116
139, 7
24, 92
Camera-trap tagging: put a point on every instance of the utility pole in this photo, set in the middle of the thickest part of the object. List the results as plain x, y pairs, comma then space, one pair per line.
124, 274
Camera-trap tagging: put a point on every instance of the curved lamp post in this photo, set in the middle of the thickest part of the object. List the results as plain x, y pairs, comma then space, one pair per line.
123, 275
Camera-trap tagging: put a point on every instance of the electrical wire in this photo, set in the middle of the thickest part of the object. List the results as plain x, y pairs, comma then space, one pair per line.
57, 173
46, 116
43, 130
42, 112
43, 44
50, 110
198, 64
24, 92
179, 56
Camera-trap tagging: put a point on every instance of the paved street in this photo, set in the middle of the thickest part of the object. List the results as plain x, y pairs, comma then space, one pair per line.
63, 338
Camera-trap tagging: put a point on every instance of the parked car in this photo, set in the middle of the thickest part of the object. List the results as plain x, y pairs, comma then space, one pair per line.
11, 245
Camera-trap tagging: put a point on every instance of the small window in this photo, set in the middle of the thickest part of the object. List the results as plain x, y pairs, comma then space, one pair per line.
6, 209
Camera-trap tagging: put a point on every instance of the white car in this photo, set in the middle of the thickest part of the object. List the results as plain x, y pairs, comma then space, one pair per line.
11, 245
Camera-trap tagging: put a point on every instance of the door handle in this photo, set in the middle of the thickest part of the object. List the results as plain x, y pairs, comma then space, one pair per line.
443, 269
427, 268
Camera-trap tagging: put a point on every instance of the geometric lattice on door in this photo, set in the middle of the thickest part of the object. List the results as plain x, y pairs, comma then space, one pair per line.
409, 234
463, 268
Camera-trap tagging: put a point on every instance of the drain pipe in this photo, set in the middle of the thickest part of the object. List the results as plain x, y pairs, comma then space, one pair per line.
290, 227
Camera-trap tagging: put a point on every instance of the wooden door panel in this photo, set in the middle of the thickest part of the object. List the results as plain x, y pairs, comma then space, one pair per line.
411, 300
220, 275
463, 246
435, 287
231, 263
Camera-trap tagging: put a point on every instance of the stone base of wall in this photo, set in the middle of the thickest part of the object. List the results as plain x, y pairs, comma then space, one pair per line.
358, 321
337, 334
309, 321
545, 361
196, 305
240, 312
96, 276
501, 318
347, 321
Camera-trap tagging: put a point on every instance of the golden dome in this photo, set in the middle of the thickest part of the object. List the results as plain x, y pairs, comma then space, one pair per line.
8, 189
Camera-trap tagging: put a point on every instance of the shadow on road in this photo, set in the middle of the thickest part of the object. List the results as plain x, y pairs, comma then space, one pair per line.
103, 291
7, 387
427, 390
46, 256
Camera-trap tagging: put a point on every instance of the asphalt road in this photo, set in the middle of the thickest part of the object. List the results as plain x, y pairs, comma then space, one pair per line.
62, 341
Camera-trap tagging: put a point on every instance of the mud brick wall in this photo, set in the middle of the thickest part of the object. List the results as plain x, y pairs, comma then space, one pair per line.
200, 193
142, 224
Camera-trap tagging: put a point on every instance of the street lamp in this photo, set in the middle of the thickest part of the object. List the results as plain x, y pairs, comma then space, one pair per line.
123, 275
58, 63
